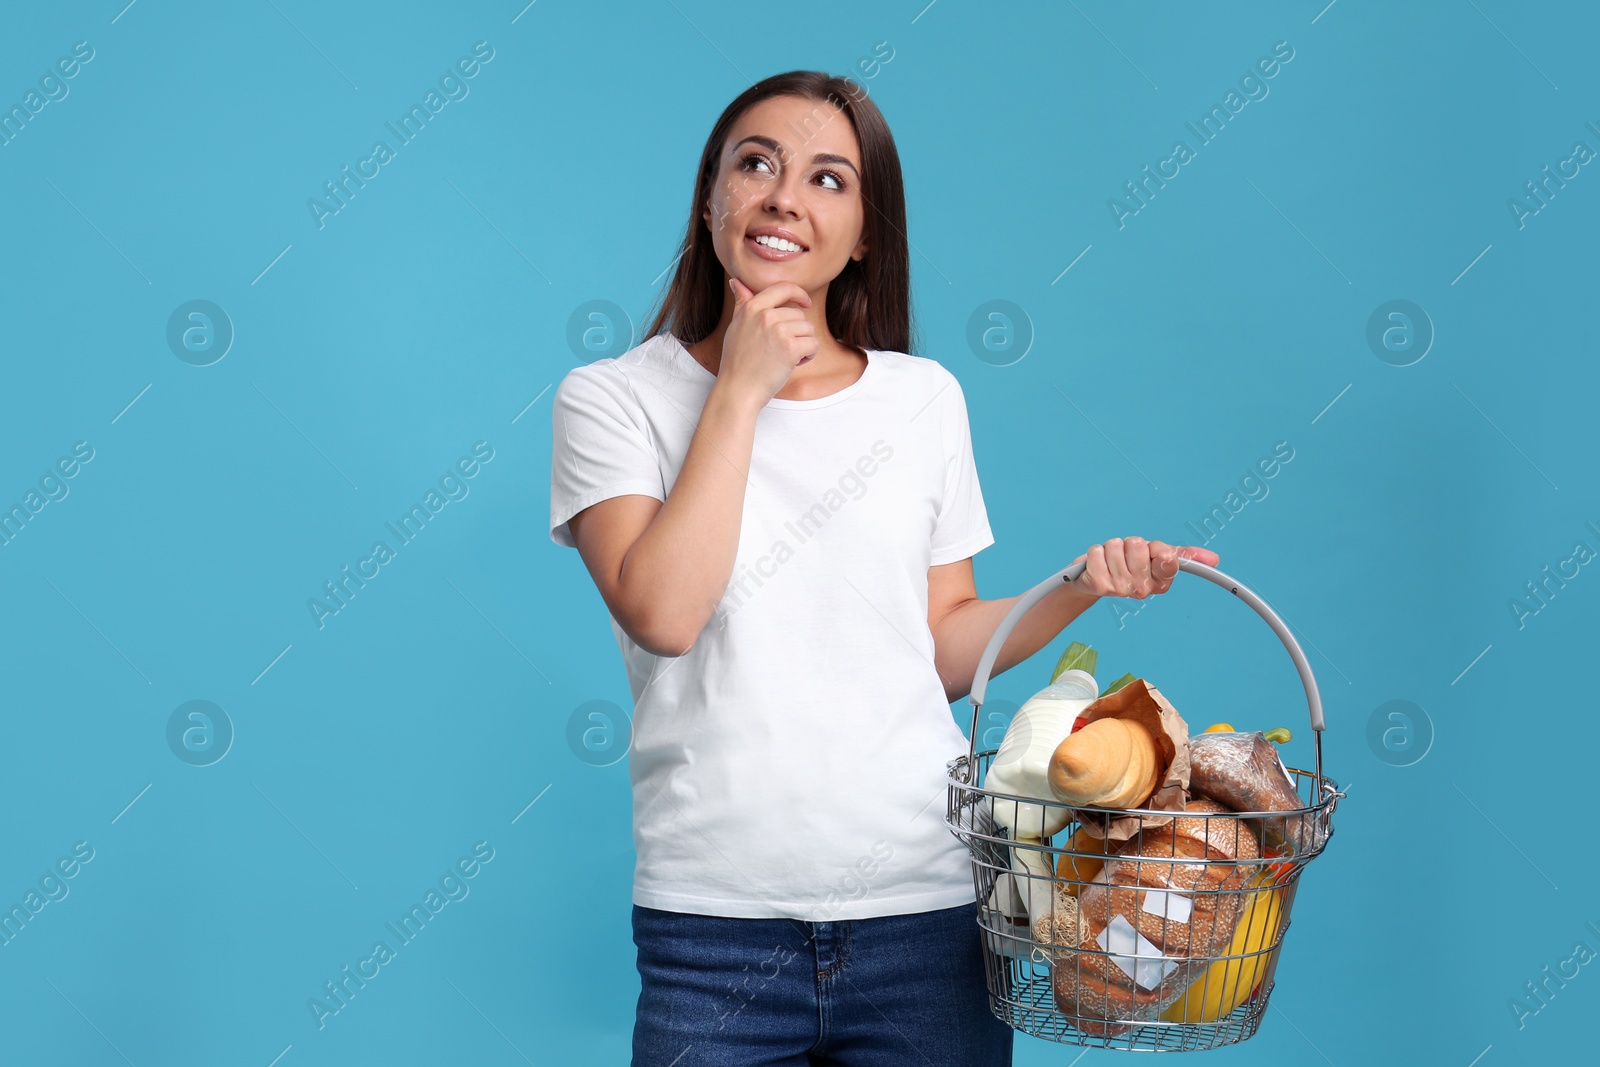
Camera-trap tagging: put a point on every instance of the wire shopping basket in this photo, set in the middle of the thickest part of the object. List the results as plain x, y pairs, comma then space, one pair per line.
1166, 942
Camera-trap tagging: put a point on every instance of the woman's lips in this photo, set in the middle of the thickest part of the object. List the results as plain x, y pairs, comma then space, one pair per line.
766, 252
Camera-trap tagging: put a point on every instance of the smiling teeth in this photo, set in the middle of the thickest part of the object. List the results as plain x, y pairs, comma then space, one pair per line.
779, 243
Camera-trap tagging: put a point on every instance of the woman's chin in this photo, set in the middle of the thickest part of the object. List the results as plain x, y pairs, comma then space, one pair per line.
761, 274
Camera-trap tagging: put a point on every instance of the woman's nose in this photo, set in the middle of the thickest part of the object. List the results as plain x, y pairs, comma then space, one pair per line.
782, 195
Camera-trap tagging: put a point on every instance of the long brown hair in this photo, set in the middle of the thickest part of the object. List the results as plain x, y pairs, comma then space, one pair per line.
869, 303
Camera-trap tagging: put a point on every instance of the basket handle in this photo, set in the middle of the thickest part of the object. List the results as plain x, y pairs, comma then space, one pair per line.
980, 681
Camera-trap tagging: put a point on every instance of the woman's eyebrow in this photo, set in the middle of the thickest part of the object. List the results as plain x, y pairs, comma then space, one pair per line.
820, 157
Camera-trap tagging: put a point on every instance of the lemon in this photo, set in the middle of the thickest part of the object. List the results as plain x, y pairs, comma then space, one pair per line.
1218, 728
1228, 983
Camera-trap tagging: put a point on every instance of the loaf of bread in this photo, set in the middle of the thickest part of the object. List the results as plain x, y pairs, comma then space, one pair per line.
1166, 901
1243, 771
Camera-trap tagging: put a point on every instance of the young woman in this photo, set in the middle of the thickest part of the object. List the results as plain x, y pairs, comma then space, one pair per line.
779, 505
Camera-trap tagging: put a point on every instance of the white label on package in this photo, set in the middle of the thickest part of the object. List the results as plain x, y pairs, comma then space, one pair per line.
1169, 903
1139, 959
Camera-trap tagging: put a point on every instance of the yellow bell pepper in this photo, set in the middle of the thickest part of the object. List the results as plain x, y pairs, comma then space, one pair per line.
1228, 983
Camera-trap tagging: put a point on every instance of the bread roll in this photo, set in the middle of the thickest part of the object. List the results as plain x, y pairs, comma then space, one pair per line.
1108, 763
1147, 928
1137, 703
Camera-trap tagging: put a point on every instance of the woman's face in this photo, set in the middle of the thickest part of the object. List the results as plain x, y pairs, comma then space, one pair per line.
789, 164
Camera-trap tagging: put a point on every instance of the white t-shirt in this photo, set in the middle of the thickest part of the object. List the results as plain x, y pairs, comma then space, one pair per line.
792, 763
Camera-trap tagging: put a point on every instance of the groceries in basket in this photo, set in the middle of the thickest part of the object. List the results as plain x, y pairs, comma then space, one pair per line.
1130, 938
1151, 927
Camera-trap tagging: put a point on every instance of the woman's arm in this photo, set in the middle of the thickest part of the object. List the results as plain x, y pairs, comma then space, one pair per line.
963, 631
962, 624
662, 567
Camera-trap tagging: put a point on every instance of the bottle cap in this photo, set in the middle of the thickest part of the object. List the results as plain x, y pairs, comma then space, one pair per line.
1075, 678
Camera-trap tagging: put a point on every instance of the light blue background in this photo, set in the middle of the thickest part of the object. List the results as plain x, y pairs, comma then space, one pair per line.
432, 313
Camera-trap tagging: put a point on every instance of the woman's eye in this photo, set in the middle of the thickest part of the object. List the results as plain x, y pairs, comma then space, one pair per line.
750, 162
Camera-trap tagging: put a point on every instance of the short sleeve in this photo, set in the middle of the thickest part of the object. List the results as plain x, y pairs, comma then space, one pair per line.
962, 527
600, 447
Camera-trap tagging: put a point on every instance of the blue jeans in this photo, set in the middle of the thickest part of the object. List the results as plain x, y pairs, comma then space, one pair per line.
882, 992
